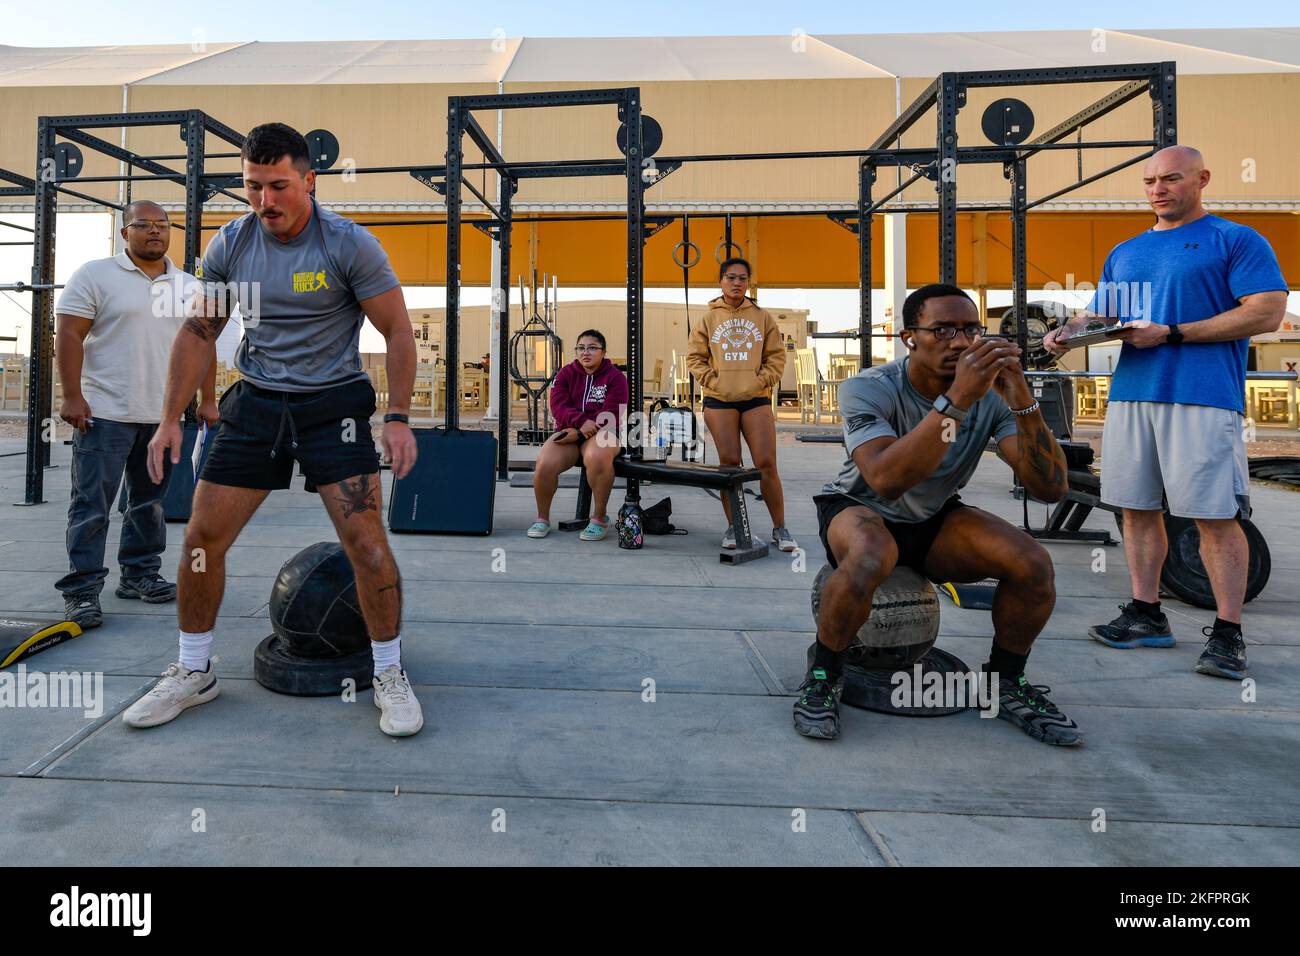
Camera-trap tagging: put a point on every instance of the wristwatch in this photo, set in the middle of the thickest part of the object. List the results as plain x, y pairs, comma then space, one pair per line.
944, 406
397, 417
1175, 335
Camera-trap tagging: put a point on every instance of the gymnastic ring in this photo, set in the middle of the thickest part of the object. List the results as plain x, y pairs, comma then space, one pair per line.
690, 247
717, 253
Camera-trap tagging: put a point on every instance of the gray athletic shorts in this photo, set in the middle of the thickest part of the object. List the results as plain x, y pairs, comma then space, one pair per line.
1194, 454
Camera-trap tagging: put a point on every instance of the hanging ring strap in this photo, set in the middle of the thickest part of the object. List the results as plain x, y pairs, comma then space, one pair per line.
682, 253
724, 244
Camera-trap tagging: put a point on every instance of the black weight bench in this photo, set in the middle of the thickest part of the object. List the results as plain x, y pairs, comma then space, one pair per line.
1066, 521
726, 480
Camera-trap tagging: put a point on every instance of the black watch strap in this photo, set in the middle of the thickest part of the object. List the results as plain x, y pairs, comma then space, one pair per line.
397, 417
1175, 335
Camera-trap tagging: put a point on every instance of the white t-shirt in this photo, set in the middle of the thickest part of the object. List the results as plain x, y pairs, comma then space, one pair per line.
135, 319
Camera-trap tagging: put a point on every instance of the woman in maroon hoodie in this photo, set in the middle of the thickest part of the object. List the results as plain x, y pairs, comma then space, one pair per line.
588, 399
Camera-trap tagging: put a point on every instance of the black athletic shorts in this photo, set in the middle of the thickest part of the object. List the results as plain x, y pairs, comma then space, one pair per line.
913, 538
264, 432
742, 407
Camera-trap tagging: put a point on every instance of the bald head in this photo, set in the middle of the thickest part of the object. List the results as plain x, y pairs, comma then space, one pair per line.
1174, 178
145, 241
143, 209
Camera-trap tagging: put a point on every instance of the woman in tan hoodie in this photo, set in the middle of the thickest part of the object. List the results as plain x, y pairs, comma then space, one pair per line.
737, 356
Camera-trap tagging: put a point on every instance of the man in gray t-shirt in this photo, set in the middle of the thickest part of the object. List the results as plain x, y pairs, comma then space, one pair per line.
304, 279
914, 431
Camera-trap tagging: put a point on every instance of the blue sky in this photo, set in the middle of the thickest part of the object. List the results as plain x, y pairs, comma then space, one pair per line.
95, 22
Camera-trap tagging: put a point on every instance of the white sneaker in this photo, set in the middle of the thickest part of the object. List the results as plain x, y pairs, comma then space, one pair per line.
177, 689
783, 539
729, 538
400, 713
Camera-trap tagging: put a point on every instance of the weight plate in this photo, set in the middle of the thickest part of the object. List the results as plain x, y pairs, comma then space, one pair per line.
323, 147
1007, 122
652, 136
277, 670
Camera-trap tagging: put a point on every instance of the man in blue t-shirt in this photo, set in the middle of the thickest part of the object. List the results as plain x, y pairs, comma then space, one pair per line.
304, 280
1174, 424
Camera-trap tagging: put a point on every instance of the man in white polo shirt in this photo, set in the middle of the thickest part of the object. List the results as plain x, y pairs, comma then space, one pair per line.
116, 321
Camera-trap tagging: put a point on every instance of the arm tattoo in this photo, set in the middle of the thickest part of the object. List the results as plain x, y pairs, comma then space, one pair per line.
1040, 452
207, 328
357, 496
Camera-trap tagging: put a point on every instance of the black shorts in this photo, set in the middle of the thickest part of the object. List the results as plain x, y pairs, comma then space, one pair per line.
742, 407
914, 539
255, 445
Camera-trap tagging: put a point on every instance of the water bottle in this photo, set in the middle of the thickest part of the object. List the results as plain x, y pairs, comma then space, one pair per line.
631, 525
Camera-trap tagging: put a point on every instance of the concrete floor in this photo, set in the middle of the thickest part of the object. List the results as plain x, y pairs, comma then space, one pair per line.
532, 684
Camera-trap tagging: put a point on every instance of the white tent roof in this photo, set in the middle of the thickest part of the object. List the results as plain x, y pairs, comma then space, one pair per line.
645, 59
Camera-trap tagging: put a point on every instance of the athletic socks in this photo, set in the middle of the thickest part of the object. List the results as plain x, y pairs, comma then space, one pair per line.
195, 650
386, 654
1006, 663
832, 662
1146, 607
1221, 625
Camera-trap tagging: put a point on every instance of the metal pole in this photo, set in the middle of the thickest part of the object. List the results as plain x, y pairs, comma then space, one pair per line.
949, 97
866, 177
1164, 94
194, 132
1019, 254
455, 130
635, 255
42, 340
503, 332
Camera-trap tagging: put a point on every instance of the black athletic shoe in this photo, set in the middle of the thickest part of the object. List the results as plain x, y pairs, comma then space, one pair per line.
152, 589
1026, 705
1134, 628
83, 609
817, 711
1224, 654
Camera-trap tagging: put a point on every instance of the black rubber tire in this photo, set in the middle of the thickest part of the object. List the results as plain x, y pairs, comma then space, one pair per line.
277, 670
1183, 574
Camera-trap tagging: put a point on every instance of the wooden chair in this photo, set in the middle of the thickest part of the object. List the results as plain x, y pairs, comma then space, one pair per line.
844, 366
652, 387
682, 383
422, 395
811, 385
379, 379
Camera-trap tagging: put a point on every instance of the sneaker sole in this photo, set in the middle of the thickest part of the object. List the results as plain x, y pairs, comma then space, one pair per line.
587, 537
823, 729
781, 547
130, 595
200, 698
533, 534
1214, 670
383, 717
1032, 731
89, 623
1162, 640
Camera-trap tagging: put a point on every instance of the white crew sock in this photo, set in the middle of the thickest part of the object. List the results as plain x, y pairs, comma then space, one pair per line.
195, 649
387, 653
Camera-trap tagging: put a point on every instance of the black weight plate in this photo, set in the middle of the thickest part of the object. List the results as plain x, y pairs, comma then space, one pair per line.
277, 670
323, 146
1007, 122
652, 136
67, 160
1184, 575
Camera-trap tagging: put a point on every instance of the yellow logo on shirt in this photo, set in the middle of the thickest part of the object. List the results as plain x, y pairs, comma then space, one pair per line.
309, 281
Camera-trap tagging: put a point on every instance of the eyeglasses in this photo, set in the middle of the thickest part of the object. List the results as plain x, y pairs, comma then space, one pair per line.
730, 277
586, 349
946, 333
160, 225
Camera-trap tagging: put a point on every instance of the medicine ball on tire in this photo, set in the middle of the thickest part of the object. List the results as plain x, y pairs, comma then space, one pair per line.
314, 607
903, 625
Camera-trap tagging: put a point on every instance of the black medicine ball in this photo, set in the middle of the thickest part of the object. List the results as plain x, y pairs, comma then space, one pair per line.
314, 606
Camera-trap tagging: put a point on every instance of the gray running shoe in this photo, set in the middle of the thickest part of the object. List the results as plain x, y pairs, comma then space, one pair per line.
83, 609
782, 539
152, 589
729, 538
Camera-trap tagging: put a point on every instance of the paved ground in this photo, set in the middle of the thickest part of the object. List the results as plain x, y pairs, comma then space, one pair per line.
532, 683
